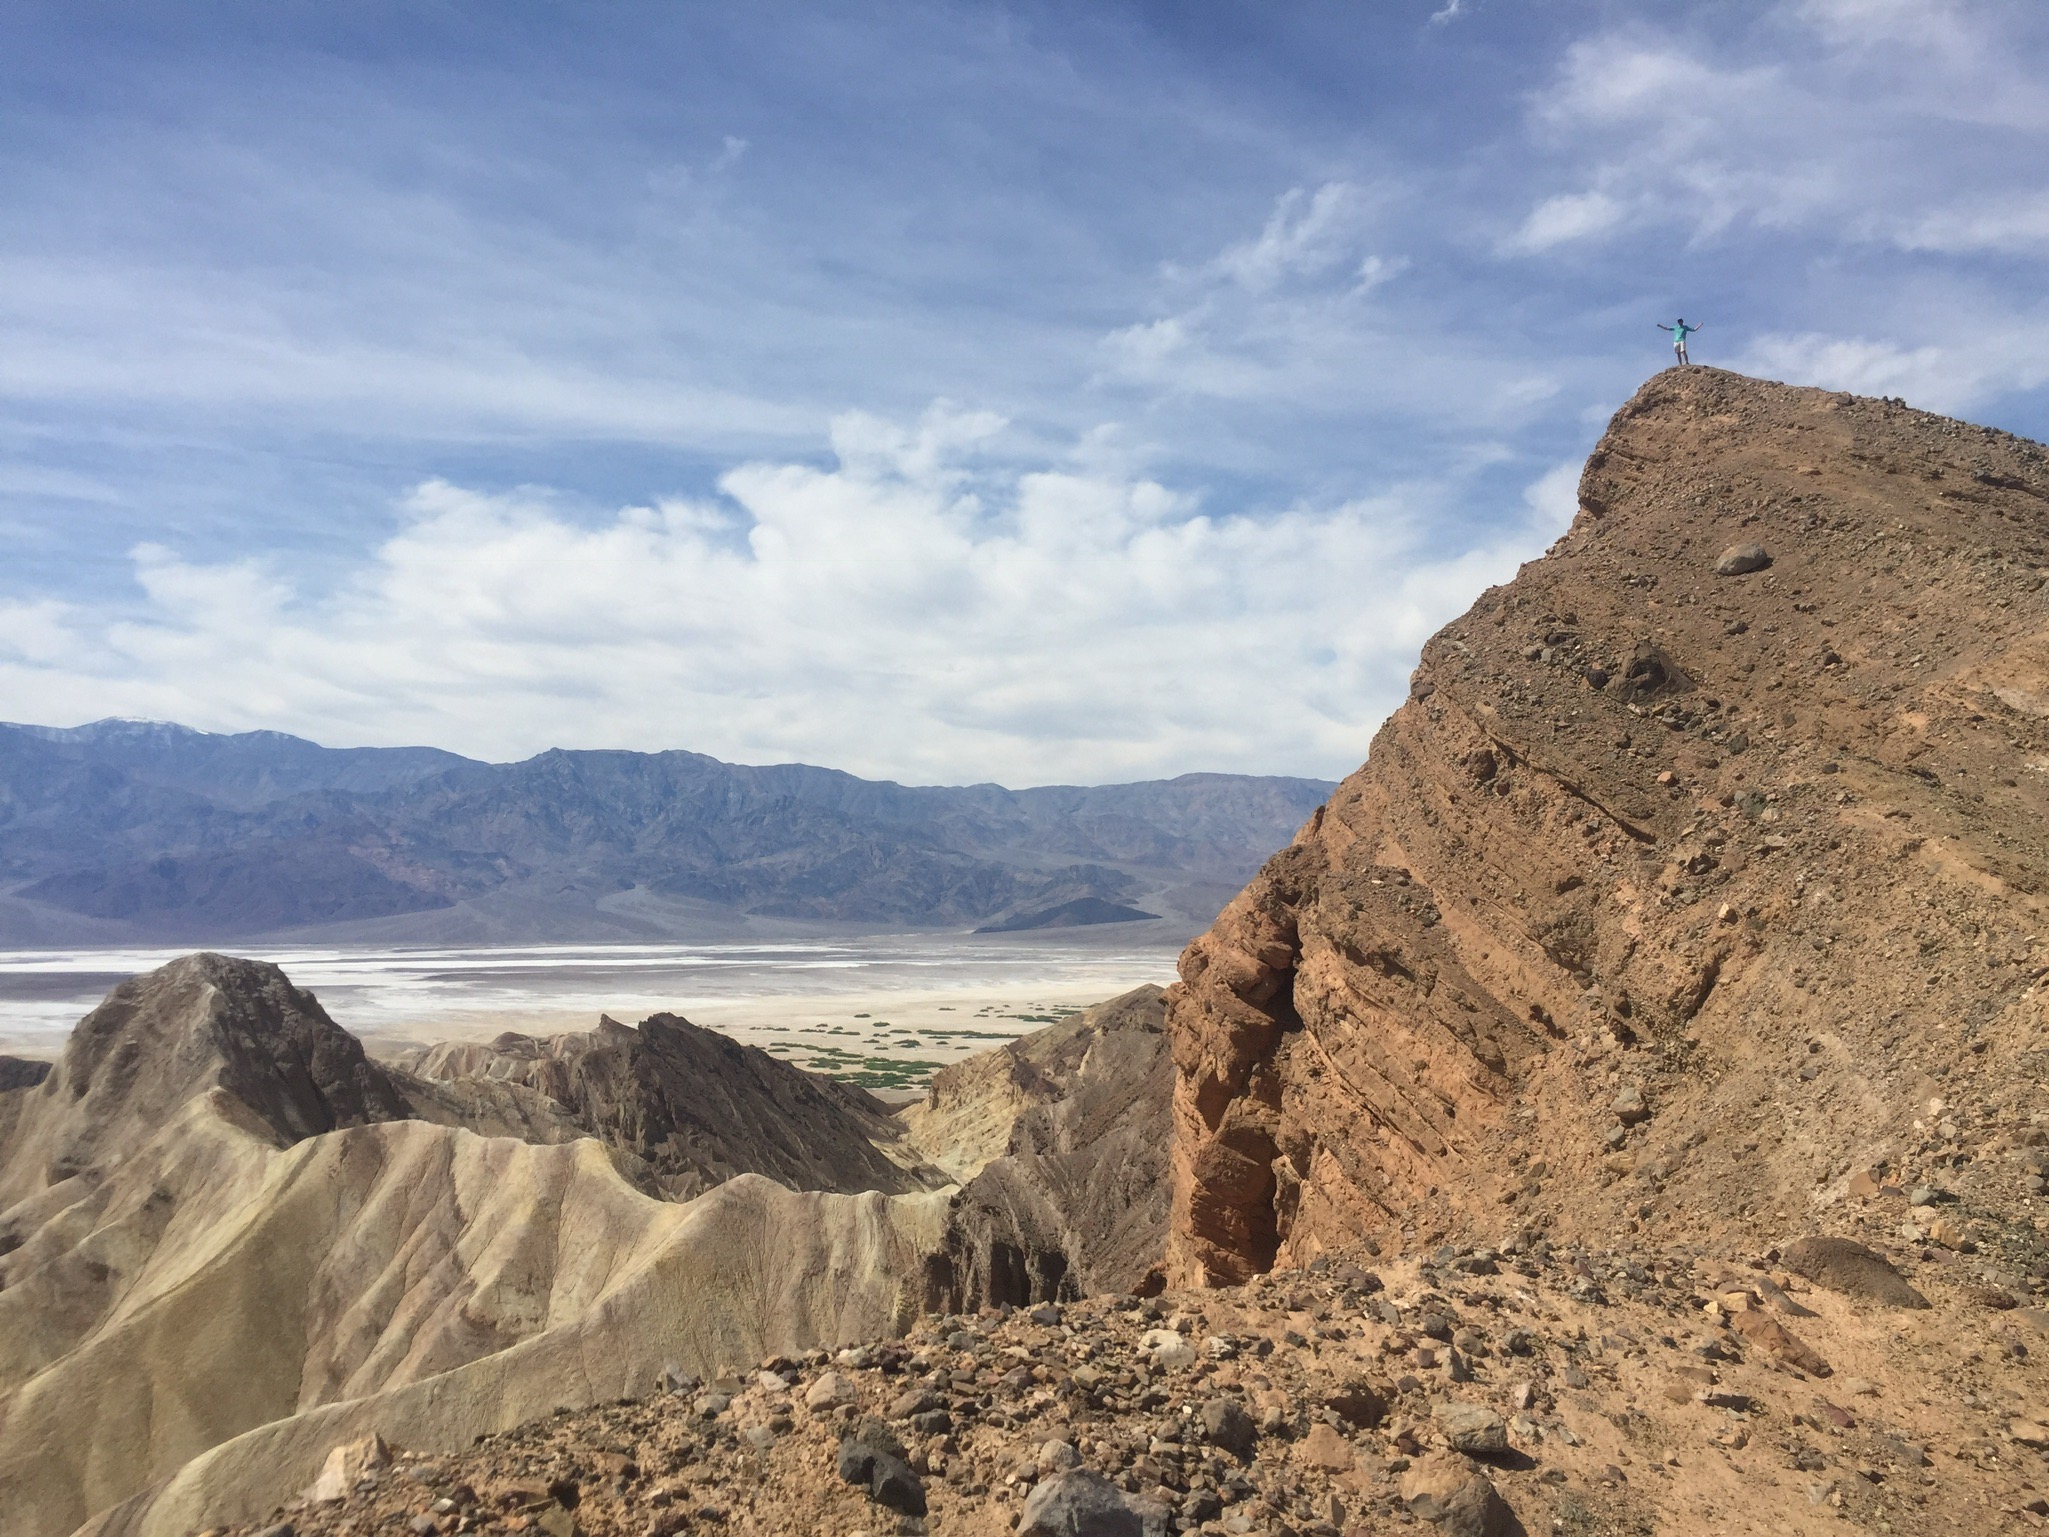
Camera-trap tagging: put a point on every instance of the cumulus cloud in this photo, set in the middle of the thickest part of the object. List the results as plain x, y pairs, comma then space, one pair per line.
1306, 235
908, 611
1986, 354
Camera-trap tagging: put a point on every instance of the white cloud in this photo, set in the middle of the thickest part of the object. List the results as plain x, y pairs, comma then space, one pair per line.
1306, 236
1570, 216
2015, 225
907, 612
1308, 316
1553, 499
1985, 355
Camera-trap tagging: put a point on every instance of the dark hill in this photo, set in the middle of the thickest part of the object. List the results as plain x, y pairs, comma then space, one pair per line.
130, 830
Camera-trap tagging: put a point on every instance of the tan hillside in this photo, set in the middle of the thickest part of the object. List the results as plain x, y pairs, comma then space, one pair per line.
233, 1239
204, 1238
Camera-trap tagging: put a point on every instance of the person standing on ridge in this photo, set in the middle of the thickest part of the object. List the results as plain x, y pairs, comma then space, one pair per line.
1679, 334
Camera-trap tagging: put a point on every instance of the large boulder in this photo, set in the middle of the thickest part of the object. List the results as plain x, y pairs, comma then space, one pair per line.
1457, 1498
1085, 1504
1846, 1266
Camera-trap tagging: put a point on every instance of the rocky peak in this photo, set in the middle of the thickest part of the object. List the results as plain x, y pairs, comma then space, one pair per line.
203, 1022
1737, 785
693, 1107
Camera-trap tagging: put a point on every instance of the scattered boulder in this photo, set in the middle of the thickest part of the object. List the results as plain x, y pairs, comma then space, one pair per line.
344, 1465
881, 1470
1741, 560
1947, 1233
915, 1401
892, 1483
828, 1392
1227, 1424
1455, 1497
1629, 1107
1472, 1428
1323, 1447
1846, 1266
1086, 1504
1780, 1341
1058, 1457
1167, 1348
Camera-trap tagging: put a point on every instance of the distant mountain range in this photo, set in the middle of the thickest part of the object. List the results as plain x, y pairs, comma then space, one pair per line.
138, 831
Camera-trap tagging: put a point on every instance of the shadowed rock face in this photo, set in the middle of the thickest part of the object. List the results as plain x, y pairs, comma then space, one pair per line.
21, 1073
1642, 826
1077, 1203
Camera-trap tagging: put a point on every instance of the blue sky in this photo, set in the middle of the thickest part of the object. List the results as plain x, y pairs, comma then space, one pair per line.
943, 392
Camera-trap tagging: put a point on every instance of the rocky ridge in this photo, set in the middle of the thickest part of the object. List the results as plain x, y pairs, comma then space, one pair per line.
1466, 1391
1689, 882
687, 1107
133, 830
1075, 1203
